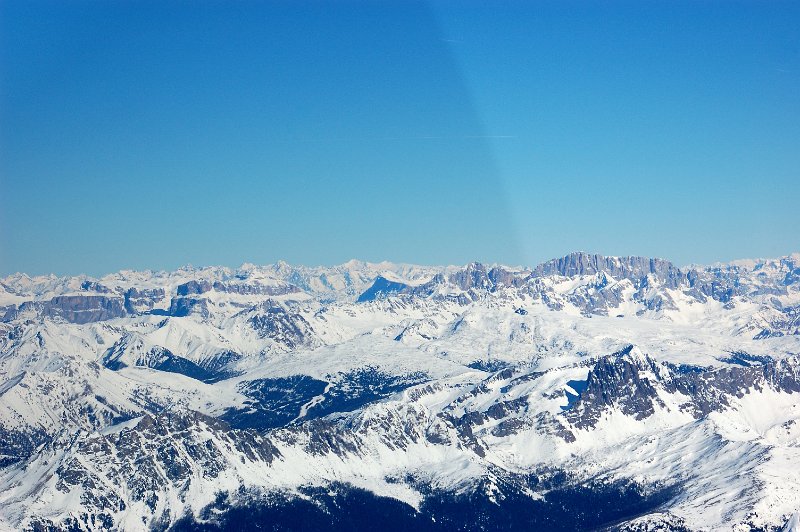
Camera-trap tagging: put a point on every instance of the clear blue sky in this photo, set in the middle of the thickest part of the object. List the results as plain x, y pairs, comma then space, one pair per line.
156, 134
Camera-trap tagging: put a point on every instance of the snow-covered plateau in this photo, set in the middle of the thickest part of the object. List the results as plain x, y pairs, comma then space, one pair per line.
587, 393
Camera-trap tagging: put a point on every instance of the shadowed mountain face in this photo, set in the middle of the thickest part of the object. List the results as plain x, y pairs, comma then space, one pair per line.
339, 507
584, 393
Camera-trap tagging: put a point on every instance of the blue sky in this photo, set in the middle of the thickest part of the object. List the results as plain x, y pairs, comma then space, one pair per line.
156, 134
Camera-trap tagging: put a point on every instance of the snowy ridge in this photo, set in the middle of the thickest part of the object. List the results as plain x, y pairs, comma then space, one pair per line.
137, 399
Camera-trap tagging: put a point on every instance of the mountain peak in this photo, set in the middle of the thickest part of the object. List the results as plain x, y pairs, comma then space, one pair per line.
631, 267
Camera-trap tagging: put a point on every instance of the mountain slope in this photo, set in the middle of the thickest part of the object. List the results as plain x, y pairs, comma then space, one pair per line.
623, 389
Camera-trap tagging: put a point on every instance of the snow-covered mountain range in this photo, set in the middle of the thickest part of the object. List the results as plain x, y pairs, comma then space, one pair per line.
588, 392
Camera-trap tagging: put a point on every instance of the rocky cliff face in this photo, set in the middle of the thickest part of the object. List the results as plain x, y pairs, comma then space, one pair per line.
637, 384
73, 309
142, 467
632, 268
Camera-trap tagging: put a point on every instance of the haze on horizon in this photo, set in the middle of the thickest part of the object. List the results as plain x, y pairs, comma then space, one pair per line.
150, 135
